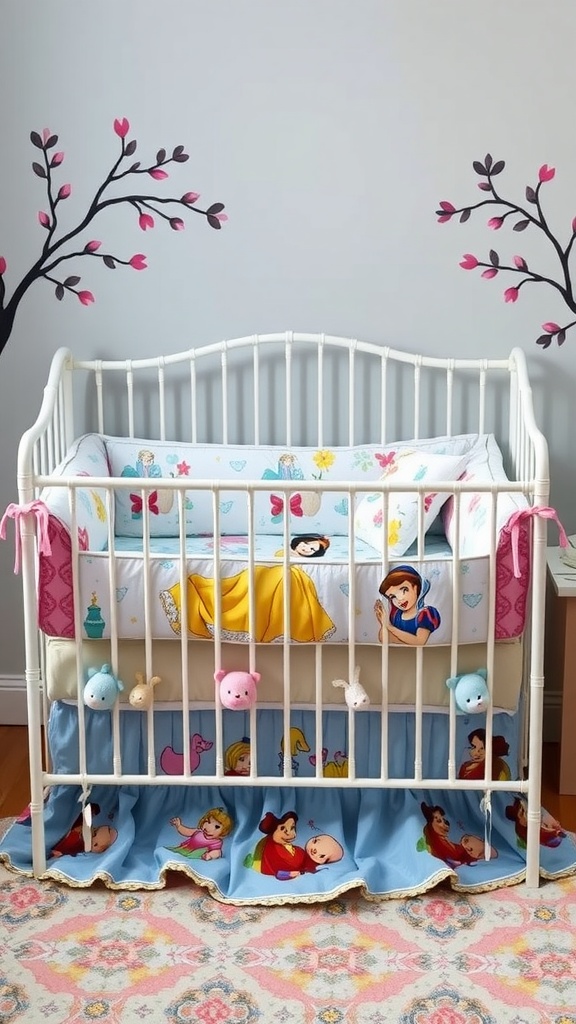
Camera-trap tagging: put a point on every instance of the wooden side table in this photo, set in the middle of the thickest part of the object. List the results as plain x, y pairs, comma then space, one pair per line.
560, 658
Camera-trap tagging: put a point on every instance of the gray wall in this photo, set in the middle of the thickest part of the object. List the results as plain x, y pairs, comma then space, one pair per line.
331, 129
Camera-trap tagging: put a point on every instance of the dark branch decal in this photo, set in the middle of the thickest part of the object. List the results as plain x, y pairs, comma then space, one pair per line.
58, 249
520, 217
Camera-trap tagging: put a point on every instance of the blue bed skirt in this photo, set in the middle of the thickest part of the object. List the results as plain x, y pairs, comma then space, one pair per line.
259, 845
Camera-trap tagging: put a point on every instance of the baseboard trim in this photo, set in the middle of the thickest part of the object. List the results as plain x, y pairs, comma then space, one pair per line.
13, 700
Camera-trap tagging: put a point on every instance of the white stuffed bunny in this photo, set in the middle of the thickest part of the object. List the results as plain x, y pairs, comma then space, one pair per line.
354, 693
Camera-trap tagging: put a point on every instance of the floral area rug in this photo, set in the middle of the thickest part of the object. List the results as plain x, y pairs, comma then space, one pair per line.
177, 955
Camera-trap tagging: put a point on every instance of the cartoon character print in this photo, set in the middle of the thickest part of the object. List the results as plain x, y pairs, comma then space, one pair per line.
277, 855
146, 467
551, 831
160, 501
308, 618
436, 840
205, 840
474, 767
335, 769
298, 744
409, 620
172, 762
307, 503
237, 758
72, 843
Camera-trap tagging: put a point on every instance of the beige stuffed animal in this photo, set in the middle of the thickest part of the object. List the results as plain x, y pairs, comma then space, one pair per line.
142, 695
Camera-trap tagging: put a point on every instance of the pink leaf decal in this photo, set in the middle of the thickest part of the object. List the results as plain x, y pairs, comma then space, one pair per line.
64, 191
138, 262
44, 219
56, 159
157, 173
92, 246
495, 223
190, 197
122, 127
2, 265
176, 224
550, 327
448, 207
85, 298
520, 262
46, 133
511, 295
546, 173
491, 272
145, 221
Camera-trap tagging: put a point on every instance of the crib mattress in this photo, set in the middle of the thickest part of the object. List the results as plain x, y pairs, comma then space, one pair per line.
112, 594
61, 670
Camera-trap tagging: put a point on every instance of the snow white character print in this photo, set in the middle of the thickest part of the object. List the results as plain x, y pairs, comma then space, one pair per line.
409, 620
307, 545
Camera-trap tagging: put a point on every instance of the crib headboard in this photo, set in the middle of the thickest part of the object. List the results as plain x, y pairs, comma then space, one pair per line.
287, 388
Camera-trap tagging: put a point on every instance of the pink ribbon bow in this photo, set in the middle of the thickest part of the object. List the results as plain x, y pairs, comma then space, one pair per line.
521, 516
17, 512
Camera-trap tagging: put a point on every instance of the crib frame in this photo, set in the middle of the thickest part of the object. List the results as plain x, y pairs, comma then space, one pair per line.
228, 376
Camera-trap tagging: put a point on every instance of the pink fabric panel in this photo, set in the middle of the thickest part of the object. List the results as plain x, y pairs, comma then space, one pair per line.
55, 605
512, 592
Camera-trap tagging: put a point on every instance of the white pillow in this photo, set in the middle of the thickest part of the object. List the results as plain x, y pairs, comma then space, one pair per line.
406, 466
485, 464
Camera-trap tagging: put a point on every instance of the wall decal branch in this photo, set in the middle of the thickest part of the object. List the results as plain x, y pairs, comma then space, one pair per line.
526, 216
147, 207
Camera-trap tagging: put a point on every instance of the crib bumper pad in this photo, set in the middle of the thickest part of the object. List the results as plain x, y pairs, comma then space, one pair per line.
94, 455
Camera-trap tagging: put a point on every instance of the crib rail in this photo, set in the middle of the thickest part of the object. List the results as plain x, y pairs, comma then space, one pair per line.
288, 389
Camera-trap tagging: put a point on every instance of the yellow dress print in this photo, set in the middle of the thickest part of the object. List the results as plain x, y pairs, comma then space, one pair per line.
309, 622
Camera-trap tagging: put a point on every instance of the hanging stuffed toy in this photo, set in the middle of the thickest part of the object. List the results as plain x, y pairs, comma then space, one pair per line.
102, 689
354, 693
470, 692
237, 689
142, 695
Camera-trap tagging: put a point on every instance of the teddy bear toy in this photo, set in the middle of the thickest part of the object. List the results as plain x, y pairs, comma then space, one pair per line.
102, 689
470, 692
237, 689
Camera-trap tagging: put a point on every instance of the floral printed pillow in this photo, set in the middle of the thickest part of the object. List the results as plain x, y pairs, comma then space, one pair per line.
310, 508
406, 466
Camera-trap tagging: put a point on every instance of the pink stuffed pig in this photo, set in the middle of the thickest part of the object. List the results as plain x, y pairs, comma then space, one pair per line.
237, 689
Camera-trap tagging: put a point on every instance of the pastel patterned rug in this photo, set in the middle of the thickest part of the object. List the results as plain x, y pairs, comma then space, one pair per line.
177, 955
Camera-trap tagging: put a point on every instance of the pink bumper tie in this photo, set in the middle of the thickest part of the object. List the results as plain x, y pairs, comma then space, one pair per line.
521, 516
16, 512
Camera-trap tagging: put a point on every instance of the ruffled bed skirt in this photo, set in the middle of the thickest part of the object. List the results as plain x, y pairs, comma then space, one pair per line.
265, 845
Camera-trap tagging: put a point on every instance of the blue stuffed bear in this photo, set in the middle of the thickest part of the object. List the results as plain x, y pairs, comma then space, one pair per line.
470, 692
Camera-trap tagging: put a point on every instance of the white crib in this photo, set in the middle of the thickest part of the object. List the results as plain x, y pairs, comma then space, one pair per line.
203, 424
